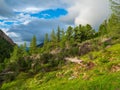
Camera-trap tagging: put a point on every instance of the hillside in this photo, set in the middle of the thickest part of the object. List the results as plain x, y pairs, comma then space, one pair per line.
6, 46
74, 59
102, 72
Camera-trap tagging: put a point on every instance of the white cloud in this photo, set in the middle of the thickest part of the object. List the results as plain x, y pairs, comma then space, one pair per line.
87, 11
93, 12
79, 11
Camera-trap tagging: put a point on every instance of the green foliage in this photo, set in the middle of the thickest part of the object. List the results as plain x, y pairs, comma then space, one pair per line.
82, 33
46, 39
33, 45
15, 55
5, 49
58, 34
69, 33
114, 21
115, 6
103, 28
23, 50
53, 37
46, 42
63, 39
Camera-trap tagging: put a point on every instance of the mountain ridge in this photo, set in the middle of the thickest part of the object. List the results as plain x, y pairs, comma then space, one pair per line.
6, 46
4, 36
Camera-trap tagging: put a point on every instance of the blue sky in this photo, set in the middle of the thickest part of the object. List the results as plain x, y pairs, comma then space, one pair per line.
45, 14
50, 13
21, 19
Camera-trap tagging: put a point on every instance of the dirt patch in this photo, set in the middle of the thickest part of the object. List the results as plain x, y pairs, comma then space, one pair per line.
115, 68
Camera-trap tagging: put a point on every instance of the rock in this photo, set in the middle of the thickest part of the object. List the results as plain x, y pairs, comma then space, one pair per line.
106, 40
75, 60
115, 68
90, 65
55, 51
71, 78
85, 48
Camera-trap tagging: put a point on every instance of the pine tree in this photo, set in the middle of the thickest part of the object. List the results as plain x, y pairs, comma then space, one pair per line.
23, 50
115, 6
53, 36
69, 33
114, 21
58, 34
90, 32
46, 39
53, 39
63, 39
77, 33
103, 28
33, 45
15, 55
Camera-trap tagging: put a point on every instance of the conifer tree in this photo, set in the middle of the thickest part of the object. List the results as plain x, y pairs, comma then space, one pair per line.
46, 39
114, 21
33, 45
77, 33
69, 33
23, 50
63, 39
103, 28
53, 36
115, 6
58, 34
15, 55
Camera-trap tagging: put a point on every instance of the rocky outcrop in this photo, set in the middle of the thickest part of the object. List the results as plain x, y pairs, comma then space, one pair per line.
4, 36
85, 48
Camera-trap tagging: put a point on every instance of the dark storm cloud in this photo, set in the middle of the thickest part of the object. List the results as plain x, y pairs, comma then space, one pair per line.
22, 4
5, 10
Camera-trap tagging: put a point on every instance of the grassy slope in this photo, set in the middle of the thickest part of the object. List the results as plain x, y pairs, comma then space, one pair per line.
104, 75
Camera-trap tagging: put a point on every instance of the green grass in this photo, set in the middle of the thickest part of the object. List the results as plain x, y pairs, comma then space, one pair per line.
109, 81
100, 77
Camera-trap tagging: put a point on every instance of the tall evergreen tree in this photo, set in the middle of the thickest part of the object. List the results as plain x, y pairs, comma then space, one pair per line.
15, 55
53, 37
58, 34
33, 45
114, 21
69, 33
77, 33
46, 39
103, 28
115, 6
90, 32
22, 50
63, 39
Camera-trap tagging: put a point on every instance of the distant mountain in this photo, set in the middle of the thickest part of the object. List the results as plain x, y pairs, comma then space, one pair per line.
6, 46
40, 45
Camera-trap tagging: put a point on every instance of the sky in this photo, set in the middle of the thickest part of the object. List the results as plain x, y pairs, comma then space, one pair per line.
21, 19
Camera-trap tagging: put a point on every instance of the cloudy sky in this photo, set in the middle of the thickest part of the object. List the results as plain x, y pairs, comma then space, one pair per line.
21, 19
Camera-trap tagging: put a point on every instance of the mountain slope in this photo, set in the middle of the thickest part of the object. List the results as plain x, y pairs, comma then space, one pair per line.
6, 46
103, 75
